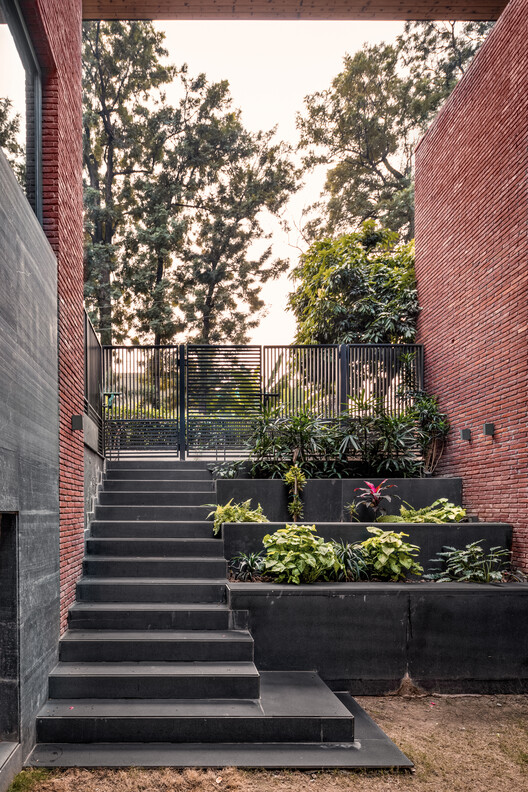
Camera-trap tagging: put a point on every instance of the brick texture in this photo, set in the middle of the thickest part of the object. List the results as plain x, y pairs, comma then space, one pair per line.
55, 28
471, 264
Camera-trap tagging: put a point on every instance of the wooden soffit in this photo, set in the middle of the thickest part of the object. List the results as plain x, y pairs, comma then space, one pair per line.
293, 9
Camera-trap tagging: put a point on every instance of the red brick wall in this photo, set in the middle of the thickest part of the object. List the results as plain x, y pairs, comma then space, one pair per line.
472, 270
55, 27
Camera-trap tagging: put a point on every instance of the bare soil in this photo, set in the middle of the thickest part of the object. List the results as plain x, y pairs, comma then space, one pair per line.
458, 744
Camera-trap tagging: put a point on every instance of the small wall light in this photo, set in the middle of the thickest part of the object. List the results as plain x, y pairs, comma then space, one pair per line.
489, 429
465, 434
77, 422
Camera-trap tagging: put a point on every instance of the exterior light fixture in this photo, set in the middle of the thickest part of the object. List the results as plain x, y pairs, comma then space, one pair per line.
465, 434
77, 423
489, 429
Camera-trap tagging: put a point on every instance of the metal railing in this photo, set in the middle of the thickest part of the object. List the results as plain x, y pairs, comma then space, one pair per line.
200, 400
93, 371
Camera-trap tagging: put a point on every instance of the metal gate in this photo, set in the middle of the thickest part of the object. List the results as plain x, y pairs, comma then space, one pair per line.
199, 401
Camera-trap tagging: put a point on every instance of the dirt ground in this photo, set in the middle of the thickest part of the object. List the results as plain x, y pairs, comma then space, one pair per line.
458, 744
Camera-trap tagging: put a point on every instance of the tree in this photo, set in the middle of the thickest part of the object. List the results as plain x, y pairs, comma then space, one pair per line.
356, 288
121, 74
366, 125
9, 131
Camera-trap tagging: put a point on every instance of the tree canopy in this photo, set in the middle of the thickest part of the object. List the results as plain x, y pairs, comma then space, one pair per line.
366, 125
9, 131
173, 196
356, 288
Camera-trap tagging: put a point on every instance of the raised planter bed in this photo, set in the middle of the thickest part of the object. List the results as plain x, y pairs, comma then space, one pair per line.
364, 637
430, 538
326, 499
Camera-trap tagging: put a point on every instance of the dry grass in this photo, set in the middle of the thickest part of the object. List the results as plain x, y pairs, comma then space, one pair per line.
458, 744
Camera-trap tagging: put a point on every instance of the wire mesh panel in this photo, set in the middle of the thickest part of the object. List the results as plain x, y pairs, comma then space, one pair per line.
386, 374
223, 393
92, 379
302, 378
141, 398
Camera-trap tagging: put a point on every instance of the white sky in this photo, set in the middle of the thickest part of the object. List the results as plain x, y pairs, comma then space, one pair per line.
271, 67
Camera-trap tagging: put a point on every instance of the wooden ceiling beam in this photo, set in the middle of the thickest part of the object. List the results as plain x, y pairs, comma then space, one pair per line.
294, 9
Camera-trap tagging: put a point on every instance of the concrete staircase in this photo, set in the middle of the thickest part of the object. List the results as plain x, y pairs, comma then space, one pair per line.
154, 667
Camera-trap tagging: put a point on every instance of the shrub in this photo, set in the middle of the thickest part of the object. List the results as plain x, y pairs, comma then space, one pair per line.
247, 566
353, 566
371, 497
296, 555
471, 564
388, 557
236, 512
441, 511
296, 481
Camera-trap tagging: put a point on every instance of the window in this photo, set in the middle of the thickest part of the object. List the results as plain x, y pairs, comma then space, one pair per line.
20, 103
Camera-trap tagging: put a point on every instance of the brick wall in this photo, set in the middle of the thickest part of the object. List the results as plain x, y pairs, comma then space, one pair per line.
472, 270
55, 28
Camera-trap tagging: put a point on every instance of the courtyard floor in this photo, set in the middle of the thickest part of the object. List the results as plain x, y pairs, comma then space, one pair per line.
458, 744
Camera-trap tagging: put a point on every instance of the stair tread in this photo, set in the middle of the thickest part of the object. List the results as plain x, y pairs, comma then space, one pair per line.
117, 559
177, 581
185, 669
148, 606
158, 635
154, 539
138, 708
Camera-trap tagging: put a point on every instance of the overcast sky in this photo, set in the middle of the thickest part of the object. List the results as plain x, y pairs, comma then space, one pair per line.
271, 67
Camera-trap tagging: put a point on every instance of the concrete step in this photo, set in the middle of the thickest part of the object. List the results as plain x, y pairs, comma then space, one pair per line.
153, 616
157, 464
131, 498
163, 513
202, 568
175, 646
91, 589
126, 680
155, 529
294, 706
148, 546
144, 474
161, 485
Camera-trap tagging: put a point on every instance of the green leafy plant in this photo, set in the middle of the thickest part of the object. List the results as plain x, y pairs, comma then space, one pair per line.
235, 512
388, 556
247, 566
353, 566
295, 554
296, 481
471, 564
434, 427
226, 470
441, 511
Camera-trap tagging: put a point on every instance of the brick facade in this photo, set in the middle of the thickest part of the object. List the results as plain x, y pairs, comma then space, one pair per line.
472, 271
55, 28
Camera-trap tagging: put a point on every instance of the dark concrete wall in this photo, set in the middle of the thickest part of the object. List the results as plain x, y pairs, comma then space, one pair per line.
29, 436
430, 538
326, 499
364, 637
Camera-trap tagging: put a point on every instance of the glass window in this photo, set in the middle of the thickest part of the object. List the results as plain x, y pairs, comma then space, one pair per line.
20, 103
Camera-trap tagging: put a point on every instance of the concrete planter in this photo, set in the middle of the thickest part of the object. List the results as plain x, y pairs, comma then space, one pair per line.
326, 499
364, 637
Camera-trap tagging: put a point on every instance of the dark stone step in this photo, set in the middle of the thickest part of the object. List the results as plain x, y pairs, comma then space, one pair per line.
158, 475
293, 707
163, 513
156, 529
150, 590
157, 464
154, 485
145, 616
131, 498
99, 566
149, 546
96, 646
154, 681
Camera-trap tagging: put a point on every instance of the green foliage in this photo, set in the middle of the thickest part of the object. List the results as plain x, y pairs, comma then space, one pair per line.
388, 557
236, 512
30, 779
356, 288
434, 428
441, 511
470, 565
296, 480
227, 470
364, 441
353, 566
9, 140
366, 124
247, 566
295, 554
372, 497
174, 196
